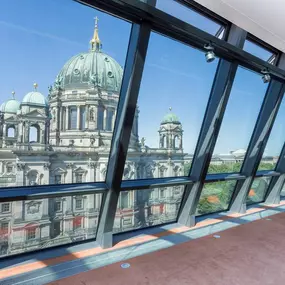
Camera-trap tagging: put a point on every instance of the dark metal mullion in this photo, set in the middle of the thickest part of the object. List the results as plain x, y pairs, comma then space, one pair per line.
137, 49
50, 191
220, 93
168, 25
268, 112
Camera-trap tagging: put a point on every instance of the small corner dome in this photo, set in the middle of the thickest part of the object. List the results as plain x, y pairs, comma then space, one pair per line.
170, 118
11, 106
35, 98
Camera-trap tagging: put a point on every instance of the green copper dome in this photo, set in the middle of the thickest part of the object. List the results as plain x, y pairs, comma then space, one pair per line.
11, 106
93, 68
35, 98
170, 118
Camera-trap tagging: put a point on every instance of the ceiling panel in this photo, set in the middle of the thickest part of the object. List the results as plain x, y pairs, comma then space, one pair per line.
263, 18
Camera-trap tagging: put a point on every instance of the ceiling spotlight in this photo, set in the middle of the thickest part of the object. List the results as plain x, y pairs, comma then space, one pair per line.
266, 76
210, 55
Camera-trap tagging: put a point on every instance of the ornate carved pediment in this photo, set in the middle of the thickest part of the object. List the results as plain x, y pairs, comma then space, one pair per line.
80, 170
33, 207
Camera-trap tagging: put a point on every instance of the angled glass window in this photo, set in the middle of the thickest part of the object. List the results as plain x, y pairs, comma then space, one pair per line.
173, 97
240, 117
188, 15
275, 142
42, 223
144, 208
283, 191
258, 190
72, 67
260, 51
215, 197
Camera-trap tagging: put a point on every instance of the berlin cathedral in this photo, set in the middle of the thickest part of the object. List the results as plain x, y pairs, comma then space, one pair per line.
65, 138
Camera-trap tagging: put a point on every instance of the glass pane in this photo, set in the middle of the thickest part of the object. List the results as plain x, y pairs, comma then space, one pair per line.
275, 142
241, 113
215, 197
189, 16
258, 190
37, 224
283, 191
144, 208
49, 135
259, 51
173, 97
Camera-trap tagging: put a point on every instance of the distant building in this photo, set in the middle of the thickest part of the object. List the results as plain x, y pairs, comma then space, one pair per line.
72, 132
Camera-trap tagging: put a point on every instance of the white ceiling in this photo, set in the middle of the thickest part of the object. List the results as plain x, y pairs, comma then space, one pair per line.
263, 18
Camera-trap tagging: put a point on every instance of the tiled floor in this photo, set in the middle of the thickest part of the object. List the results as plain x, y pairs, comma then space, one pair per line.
250, 254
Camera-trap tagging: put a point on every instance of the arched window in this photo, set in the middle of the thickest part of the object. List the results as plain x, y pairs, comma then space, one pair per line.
73, 118
109, 125
164, 141
92, 117
176, 142
11, 132
124, 199
82, 117
34, 134
100, 120
33, 177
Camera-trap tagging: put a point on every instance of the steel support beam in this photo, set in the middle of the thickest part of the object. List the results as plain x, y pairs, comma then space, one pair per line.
276, 184
137, 49
168, 25
219, 96
268, 112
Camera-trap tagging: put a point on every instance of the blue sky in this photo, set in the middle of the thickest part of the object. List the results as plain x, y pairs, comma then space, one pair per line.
38, 37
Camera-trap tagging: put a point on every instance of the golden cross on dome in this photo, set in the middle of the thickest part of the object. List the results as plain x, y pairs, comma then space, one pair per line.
35, 86
96, 22
95, 42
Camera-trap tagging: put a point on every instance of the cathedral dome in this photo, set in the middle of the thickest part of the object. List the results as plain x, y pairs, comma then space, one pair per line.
92, 68
35, 98
170, 118
11, 106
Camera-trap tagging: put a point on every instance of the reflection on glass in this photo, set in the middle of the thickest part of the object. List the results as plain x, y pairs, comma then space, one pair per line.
241, 113
42, 223
259, 51
283, 191
173, 96
215, 197
143, 208
258, 190
189, 16
275, 142
61, 134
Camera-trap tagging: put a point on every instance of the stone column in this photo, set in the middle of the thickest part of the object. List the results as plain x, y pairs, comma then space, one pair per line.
98, 173
58, 117
114, 119
69, 175
91, 170
20, 133
61, 118
105, 119
20, 179
4, 134
46, 177
87, 116
67, 117
78, 118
